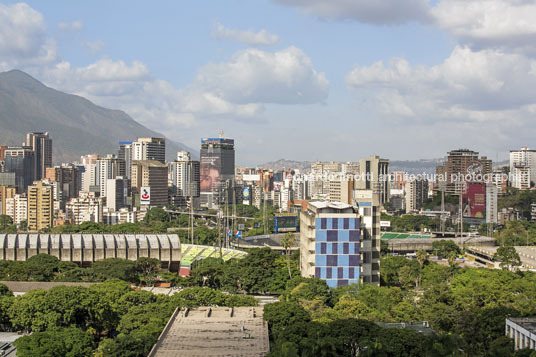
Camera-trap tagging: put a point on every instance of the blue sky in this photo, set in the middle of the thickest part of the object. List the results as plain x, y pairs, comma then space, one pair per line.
295, 79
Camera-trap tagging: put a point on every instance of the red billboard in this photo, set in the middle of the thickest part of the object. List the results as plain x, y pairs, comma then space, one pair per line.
474, 200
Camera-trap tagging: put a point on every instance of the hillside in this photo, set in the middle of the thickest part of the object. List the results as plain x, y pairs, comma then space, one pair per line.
76, 125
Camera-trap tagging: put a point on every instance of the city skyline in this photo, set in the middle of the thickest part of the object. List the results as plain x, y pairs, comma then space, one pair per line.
387, 78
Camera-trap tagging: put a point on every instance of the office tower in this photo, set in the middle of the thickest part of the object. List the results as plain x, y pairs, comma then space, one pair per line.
321, 172
41, 145
350, 168
461, 163
330, 243
40, 206
341, 189
149, 149
17, 208
125, 154
21, 161
217, 167
374, 175
523, 167
153, 175
491, 203
8, 179
185, 178
116, 193
416, 192
89, 173
107, 167
369, 205
5, 193
67, 177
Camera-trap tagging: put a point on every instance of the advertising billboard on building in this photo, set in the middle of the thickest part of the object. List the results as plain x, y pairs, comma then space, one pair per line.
286, 222
246, 195
210, 173
474, 200
145, 195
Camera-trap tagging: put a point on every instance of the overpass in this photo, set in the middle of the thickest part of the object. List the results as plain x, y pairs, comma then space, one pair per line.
412, 245
484, 255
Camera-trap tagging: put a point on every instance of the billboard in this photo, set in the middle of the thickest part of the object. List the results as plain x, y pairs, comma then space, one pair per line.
474, 200
209, 172
145, 195
246, 195
385, 223
286, 222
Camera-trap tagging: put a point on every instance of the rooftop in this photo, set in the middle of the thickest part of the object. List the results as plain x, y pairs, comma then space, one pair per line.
528, 323
214, 331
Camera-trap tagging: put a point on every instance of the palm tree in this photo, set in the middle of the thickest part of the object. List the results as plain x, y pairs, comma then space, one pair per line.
287, 242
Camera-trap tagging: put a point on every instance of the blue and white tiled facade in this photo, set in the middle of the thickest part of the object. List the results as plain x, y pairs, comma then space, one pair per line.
338, 250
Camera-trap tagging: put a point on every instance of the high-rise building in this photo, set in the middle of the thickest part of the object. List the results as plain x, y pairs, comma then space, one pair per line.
330, 243
125, 154
107, 167
416, 192
151, 174
523, 162
17, 208
21, 161
5, 193
369, 210
374, 175
116, 193
217, 168
341, 190
321, 172
185, 178
464, 166
67, 177
149, 149
41, 145
40, 206
491, 203
85, 208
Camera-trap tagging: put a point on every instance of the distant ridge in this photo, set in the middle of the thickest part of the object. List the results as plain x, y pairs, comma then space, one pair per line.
76, 125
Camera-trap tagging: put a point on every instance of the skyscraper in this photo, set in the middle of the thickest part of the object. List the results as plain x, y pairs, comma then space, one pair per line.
151, 174
125, 154
21, 161
149, 149
216, 169
374, 175
40, 206
41, 145
330, 243
107, 167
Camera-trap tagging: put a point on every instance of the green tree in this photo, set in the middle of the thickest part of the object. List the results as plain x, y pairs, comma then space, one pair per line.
288, 242
508, 257
443, 248
156, 214
148, 269
58, 342
5, 221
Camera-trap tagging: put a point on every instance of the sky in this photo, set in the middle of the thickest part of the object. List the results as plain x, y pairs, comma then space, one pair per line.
296, 79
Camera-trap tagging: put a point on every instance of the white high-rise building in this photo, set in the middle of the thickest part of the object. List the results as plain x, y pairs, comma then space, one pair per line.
116, 193
523, 162
108, 167
149, 149
491, 203
17, 208
416, 194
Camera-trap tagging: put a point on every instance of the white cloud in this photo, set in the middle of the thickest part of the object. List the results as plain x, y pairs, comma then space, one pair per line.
94, 47
489, 23
479, 86
71, 26
250, 37
235, 89
387, 12
23, 37
255, 76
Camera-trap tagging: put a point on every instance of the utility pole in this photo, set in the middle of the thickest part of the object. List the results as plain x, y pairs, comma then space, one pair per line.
219, 217
443, 212
191, 215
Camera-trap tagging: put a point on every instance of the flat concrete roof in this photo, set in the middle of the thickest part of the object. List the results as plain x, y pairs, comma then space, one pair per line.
214, 331
528, 323
21, 287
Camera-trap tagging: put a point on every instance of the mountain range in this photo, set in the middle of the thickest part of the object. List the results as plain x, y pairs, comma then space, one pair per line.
76, 125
